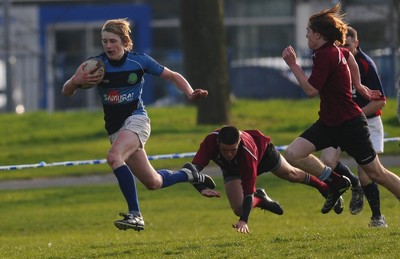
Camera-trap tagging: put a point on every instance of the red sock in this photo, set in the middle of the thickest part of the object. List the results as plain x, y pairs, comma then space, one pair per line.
334, 179
317, 184
257, 201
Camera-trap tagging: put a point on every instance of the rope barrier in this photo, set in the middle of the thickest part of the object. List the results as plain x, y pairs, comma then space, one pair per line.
104, 161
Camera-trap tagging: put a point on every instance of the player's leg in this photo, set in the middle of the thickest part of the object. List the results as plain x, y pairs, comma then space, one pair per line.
234, 193
371, 191
124, 143
356, 142
144, 171
369, 187
379, 174
375, 126
133, 135
128, 147
263, 201
136, 131
357, 195
270, 162
298, 154
163, 178
296, 175
330, 156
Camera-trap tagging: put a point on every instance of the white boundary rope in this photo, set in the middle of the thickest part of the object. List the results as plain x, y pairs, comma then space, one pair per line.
104, 161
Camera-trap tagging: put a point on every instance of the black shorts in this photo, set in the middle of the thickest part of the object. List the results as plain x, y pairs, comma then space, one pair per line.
270, 161
351, 136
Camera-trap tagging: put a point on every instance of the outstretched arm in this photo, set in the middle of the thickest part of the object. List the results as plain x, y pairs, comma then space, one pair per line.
289, 55
182, 84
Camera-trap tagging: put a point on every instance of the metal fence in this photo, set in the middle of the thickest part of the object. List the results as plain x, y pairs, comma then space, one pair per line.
31, 90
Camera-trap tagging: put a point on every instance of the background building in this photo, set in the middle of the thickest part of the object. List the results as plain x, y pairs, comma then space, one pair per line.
49, 39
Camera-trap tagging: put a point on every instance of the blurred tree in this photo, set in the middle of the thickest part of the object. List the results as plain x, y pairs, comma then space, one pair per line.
205, 57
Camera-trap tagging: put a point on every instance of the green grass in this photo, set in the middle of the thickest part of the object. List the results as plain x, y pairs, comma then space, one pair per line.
76, 222
80, 135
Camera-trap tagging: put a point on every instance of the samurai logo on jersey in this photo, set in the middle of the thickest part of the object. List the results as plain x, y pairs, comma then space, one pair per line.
118, 96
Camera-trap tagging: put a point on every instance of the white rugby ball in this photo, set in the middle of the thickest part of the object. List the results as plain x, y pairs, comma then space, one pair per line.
92, 64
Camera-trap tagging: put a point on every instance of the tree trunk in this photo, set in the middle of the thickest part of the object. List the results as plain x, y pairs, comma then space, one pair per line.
205, 57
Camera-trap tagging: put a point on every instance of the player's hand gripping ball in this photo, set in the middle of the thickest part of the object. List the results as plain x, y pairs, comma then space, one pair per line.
98, 69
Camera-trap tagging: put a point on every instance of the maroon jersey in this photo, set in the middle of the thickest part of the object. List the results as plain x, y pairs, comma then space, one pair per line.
250, 151
331, 77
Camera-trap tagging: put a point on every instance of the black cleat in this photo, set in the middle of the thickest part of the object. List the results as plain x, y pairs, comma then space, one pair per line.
357, 200
334, 194
339, 206
195, 177
268, 204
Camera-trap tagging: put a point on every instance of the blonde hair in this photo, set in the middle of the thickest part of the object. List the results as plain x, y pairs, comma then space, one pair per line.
329, 23
120, 27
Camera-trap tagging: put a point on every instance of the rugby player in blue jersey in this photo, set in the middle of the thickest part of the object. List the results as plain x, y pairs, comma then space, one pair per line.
126, 120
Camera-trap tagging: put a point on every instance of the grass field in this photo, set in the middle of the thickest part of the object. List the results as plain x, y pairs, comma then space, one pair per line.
77, 222
80, 135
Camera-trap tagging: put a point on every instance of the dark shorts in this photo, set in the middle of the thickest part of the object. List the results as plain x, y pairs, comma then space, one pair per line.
351, 136
270, 161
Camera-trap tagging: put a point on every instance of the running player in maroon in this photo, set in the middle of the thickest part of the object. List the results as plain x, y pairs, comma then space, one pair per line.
372, 110
341, 121
242, 156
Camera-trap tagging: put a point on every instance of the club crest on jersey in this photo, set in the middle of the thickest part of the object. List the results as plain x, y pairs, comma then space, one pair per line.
132, 79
